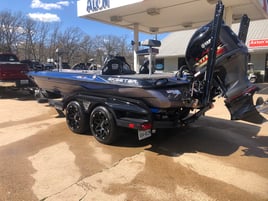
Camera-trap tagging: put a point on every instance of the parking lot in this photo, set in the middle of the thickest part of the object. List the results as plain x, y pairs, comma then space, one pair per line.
213, 159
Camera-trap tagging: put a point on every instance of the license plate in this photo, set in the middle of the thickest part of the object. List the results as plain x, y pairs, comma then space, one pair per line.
23, 82
142, 134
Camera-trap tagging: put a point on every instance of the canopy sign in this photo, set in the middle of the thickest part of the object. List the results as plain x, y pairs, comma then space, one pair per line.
97, 5
94, 6
159, 16
258, 43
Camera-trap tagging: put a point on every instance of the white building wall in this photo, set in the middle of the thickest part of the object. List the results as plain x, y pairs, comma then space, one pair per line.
171, 64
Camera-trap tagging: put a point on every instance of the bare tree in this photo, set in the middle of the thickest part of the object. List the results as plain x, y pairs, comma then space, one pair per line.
11, 30
69, 42
125, 49
40, 40
109, 45
86, 49
27, 44
53, 42
34, 43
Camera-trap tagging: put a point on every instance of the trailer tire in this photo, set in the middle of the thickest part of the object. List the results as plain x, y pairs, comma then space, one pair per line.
102, 125
76, 118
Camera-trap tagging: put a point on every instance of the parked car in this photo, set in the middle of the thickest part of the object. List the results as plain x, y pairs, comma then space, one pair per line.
49, 66
65, 65
12, 70
85, 66
33, 65
80, 66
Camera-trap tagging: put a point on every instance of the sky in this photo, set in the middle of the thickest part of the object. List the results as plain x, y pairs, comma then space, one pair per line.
65, 13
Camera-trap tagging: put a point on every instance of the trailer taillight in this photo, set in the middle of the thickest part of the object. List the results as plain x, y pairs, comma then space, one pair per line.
146, 126
131, 125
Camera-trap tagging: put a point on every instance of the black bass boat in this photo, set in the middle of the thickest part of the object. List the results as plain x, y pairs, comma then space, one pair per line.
102, 101
157, 90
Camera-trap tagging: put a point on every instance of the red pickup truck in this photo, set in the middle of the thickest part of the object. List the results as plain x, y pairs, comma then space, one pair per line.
11, 70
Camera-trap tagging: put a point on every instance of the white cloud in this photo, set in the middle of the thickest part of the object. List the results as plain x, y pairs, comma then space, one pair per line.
49, 6
44, 17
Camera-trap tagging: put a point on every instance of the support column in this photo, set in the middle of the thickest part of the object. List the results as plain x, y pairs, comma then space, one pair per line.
228, 16
136, 47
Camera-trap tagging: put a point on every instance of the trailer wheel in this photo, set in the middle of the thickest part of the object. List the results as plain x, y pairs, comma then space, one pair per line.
102, 125
76, 118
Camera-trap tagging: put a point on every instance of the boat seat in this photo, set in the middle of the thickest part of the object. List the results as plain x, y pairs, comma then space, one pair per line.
112, 67
117, 66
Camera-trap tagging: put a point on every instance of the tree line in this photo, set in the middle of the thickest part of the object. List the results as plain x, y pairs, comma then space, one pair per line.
41, 41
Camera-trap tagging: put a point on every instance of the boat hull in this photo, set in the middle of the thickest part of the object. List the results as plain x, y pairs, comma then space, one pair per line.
161, 91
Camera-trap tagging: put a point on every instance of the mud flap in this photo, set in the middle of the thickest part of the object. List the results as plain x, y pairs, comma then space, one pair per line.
242, 108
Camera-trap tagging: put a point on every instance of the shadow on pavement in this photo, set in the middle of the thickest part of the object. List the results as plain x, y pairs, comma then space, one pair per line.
208, 135
11, 92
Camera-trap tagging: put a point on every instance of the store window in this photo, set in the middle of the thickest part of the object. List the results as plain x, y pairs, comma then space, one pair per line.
266, 61
266, 68
159, 64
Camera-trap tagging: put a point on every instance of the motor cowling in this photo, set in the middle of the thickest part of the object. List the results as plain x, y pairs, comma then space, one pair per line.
231, 58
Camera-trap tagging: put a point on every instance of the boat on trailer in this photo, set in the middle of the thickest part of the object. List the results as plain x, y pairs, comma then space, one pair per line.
103, 100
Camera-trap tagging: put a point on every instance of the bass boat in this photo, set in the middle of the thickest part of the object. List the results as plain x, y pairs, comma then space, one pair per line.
103, 100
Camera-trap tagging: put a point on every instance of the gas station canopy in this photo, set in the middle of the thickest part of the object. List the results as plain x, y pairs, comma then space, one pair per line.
159, 16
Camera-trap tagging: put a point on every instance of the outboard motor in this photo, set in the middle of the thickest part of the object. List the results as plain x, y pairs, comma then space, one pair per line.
229, 70
231, 58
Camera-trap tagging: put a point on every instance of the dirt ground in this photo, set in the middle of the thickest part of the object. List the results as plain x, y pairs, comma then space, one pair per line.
213, 159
